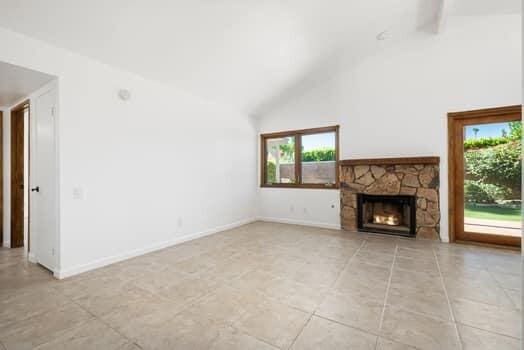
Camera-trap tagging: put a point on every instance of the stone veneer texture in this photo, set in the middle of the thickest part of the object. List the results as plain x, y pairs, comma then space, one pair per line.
419, 180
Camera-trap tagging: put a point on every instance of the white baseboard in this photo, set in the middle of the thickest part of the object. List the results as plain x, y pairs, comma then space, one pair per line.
444, 239
300, 222
31, 257
75, 270
7, 244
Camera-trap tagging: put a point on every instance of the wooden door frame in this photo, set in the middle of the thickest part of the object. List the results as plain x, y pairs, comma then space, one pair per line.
2, 179
20, 107
456, 186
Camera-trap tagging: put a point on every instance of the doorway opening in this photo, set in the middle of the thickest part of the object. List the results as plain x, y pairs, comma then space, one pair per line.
20, 175
29, 187
485, 175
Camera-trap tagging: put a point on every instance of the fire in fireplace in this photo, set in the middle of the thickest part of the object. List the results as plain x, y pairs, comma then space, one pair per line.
387, 214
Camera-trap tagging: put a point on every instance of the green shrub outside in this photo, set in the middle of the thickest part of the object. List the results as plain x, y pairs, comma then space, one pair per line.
271, 175
484, 142
515, 134
500, 166
319, 155
479, 192
515, 130
493, 166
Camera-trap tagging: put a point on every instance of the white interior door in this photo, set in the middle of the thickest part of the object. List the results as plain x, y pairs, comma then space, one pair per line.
43, 180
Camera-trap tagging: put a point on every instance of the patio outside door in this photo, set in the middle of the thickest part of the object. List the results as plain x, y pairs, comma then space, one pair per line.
485, 175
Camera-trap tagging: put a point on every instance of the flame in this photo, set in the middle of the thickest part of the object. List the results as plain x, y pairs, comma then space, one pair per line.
392, 220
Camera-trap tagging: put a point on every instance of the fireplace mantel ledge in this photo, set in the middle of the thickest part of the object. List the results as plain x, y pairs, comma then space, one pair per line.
391, 161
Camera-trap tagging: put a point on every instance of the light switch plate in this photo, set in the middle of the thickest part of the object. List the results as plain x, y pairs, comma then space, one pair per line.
78, 193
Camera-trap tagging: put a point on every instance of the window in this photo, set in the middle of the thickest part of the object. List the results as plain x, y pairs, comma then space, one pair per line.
300, 158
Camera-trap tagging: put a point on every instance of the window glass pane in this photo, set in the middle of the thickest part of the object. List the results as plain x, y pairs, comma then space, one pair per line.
280, 160
319, 158
492, 178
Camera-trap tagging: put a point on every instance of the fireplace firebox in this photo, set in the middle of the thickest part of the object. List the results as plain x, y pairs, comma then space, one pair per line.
390, 214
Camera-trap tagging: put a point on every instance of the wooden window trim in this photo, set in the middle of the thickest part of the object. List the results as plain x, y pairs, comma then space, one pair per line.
298, 157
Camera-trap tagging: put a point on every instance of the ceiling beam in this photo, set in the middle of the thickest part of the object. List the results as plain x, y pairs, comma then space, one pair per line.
445, 8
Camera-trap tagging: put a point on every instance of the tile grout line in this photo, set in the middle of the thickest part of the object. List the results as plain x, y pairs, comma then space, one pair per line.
489, 331
387, 289
103, 322
301, 330
348, 262
364, 331
107, 324
466, 298
68, 328
448, 300
329, 290
441, 277
432, 316
348, 326
386, 294
67, 300
251, 336
95, 317
503, 290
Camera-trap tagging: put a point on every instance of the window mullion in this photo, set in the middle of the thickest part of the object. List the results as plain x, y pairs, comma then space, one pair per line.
298, 158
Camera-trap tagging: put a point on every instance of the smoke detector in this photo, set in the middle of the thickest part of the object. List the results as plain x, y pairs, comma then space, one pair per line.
382, 35
124, 94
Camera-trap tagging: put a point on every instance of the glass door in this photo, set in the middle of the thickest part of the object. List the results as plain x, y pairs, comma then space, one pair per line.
488, 180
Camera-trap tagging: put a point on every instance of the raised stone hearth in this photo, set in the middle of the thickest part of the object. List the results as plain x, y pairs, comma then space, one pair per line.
418, 176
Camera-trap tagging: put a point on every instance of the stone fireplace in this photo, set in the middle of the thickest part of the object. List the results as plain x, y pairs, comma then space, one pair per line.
391, 195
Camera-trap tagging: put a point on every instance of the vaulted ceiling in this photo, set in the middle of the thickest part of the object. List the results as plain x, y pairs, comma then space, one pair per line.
239, 52
17, 83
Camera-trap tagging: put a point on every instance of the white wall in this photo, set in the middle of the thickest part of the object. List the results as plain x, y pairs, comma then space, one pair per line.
394, 103
162, 167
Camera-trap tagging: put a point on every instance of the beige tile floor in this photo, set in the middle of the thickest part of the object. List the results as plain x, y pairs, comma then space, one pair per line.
272, 286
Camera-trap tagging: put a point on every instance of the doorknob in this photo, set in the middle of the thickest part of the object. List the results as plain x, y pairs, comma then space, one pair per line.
36, 189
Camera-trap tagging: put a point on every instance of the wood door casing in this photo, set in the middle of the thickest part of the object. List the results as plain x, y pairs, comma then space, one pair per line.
1, 177
17, 176
456, 123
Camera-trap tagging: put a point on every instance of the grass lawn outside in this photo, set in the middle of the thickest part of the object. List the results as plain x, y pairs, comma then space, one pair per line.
492, 212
